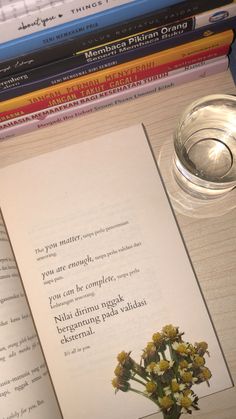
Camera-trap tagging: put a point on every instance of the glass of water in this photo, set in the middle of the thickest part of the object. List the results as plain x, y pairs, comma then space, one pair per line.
205, 147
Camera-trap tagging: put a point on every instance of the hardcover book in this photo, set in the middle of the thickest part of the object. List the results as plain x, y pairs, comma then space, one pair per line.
93, 235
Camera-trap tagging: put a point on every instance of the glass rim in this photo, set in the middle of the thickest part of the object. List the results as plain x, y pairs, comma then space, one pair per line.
207, 98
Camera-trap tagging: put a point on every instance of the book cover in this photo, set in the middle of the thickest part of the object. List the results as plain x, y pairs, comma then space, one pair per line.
68, 87
57, 34
109, 55
114, 96
163, 17
93, 269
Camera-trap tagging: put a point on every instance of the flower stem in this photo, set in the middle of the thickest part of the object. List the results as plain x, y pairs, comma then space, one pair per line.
174, 415
138, 381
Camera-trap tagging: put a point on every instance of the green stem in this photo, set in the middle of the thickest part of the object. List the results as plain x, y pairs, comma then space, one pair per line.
140, 392
144, 395
174, 415
138, 381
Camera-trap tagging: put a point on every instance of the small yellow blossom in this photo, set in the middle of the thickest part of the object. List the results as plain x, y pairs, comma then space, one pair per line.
198, 361
119, 384
157, 338
162, 366
205, 374
170, 331
183, 364
118, 370
187, 392
187, 377
201, 348
175, 386
122, 357
150, 348
150, 351
151, 367
151, 387
115, 382
182, 348
165, 402
185, 402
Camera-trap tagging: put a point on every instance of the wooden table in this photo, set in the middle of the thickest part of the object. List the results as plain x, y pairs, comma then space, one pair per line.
210, 240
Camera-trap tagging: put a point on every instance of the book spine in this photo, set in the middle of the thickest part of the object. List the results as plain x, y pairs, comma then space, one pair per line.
108, 55
33, 20
76, 27
52, 36
116, 96
112, 81
172, 54
196, 10
216, 15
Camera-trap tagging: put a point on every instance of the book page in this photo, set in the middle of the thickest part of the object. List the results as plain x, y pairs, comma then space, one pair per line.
25, 388
104, 267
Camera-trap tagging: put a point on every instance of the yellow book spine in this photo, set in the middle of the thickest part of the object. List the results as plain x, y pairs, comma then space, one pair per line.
121, 70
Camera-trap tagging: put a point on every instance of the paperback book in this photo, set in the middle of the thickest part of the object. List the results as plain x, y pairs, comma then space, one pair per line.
109, 55
116, 95
59, 33
93, 270
162, 17
203, 46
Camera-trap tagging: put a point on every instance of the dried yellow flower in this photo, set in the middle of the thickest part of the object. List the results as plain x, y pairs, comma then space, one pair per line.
205, 374
166, 402
170, 331
151, 387
198, 361
185, 402
122, 357
157, 338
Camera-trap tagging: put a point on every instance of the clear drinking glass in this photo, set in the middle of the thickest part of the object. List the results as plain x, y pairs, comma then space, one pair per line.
205, 147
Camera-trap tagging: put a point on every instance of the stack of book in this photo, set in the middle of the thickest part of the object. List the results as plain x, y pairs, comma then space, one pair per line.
61, 59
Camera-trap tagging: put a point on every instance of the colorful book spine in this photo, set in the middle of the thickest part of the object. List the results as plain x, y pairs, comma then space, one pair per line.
115, 96
120, 78
172, 54
166, 16
109, 55
76, 27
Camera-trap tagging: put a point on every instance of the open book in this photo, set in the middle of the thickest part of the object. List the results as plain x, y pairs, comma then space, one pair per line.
103, 266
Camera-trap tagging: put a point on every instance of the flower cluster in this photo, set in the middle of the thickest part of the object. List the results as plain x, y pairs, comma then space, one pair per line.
168, 369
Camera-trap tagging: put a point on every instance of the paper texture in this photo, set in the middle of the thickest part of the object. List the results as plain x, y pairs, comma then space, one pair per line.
104, 267
25, 388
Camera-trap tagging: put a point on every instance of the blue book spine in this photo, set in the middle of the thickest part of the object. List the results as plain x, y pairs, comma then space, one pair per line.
76, 27
76, 71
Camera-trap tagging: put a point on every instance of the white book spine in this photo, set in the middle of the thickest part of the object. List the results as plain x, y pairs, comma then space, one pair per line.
57, 13
70, 110
215, 15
